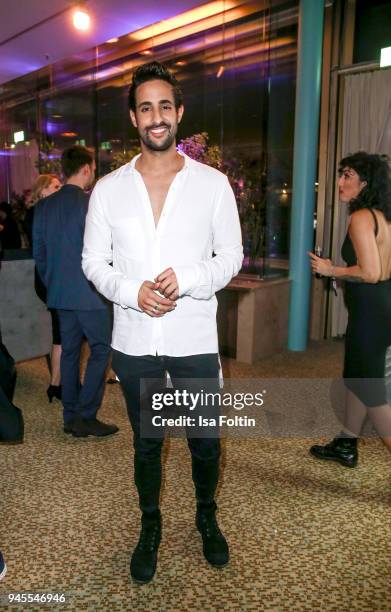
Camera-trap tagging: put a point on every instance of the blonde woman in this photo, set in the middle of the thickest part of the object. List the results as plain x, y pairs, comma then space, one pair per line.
44, 186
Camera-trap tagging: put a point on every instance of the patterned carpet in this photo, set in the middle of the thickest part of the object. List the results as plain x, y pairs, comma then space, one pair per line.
303, 535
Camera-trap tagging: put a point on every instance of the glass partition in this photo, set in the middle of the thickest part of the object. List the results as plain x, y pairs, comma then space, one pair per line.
237, 67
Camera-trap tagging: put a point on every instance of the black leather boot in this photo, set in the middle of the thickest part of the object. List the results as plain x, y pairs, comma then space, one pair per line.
206, 477
343, 450
144, 559
215, 547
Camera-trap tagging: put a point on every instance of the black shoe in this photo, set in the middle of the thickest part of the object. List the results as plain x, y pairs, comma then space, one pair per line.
72, 424
144, 558
342, 450
97, 428
215, 545
53, 391
81, 428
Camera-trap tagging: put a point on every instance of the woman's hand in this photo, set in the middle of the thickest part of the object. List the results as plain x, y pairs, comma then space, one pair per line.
324, 267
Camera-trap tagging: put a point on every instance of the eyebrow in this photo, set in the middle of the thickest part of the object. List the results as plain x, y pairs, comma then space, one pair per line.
147, 102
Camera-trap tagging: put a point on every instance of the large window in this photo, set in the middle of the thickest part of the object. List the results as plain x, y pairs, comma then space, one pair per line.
237, 68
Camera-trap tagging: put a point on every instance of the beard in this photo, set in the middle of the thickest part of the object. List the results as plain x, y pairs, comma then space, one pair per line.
162, 145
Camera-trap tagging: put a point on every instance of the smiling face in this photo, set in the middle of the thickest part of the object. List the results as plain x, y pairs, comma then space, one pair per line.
349, 184
156, 117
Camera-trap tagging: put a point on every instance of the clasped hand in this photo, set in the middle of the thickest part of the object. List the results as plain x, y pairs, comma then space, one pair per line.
150, 298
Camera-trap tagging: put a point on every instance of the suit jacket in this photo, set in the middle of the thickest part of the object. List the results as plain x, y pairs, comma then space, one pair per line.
58, 231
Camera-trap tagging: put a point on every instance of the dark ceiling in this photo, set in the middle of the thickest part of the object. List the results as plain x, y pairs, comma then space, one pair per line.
22, 52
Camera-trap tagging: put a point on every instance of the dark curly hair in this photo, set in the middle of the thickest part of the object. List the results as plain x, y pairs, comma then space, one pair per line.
375, 170
151, 72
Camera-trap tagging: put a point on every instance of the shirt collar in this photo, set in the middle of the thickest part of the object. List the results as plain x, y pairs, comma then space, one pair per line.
187, 159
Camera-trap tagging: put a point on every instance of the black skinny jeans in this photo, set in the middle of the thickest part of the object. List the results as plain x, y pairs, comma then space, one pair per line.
203, 371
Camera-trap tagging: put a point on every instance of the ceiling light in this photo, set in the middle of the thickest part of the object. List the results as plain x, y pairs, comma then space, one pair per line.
112, 40
69, 134
220, 72
188, 17
180, 63
81, 20
146, 52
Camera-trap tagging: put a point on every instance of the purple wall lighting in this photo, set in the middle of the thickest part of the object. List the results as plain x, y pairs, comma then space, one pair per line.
54, 127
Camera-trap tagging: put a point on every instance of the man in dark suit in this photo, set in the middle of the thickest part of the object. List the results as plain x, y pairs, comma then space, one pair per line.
58, 230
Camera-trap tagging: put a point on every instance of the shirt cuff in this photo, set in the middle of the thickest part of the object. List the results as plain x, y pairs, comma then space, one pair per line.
128, 293
187, 277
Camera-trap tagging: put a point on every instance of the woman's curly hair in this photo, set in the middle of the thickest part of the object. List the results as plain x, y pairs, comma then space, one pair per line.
376, 171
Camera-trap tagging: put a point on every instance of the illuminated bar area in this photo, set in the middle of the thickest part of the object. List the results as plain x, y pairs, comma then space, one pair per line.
236, 62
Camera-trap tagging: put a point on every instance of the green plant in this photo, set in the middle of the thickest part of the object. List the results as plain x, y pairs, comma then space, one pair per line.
49, 161
123, 157
248, 183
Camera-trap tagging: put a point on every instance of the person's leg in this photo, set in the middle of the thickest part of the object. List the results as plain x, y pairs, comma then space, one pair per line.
133, 373
381, 418
355, 415
139, 378
195, 374
55, 356
11, 421
55, 361
72, 336
343, 448
96, 326
198, 373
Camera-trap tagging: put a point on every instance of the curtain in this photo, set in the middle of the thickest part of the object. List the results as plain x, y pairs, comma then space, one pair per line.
366, 126
23, 167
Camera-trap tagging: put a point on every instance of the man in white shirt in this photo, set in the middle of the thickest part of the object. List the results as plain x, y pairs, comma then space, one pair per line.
170, 228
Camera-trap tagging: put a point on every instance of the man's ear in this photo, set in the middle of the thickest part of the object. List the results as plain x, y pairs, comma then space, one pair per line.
181, 110
133, 118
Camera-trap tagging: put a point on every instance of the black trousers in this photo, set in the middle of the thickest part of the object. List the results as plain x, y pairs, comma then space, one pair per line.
148, 373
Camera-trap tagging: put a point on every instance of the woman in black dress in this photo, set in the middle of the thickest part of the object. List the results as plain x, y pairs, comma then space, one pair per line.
44, 186
364, 184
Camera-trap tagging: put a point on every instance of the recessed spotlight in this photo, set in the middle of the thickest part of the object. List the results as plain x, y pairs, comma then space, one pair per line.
220, 72
81, 20
112, 40
146, 52
69, 134
180, 63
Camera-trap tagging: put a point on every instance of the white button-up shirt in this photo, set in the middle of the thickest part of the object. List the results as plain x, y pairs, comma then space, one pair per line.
198, 235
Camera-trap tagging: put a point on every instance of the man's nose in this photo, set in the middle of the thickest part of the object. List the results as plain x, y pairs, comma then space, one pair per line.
156, 116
